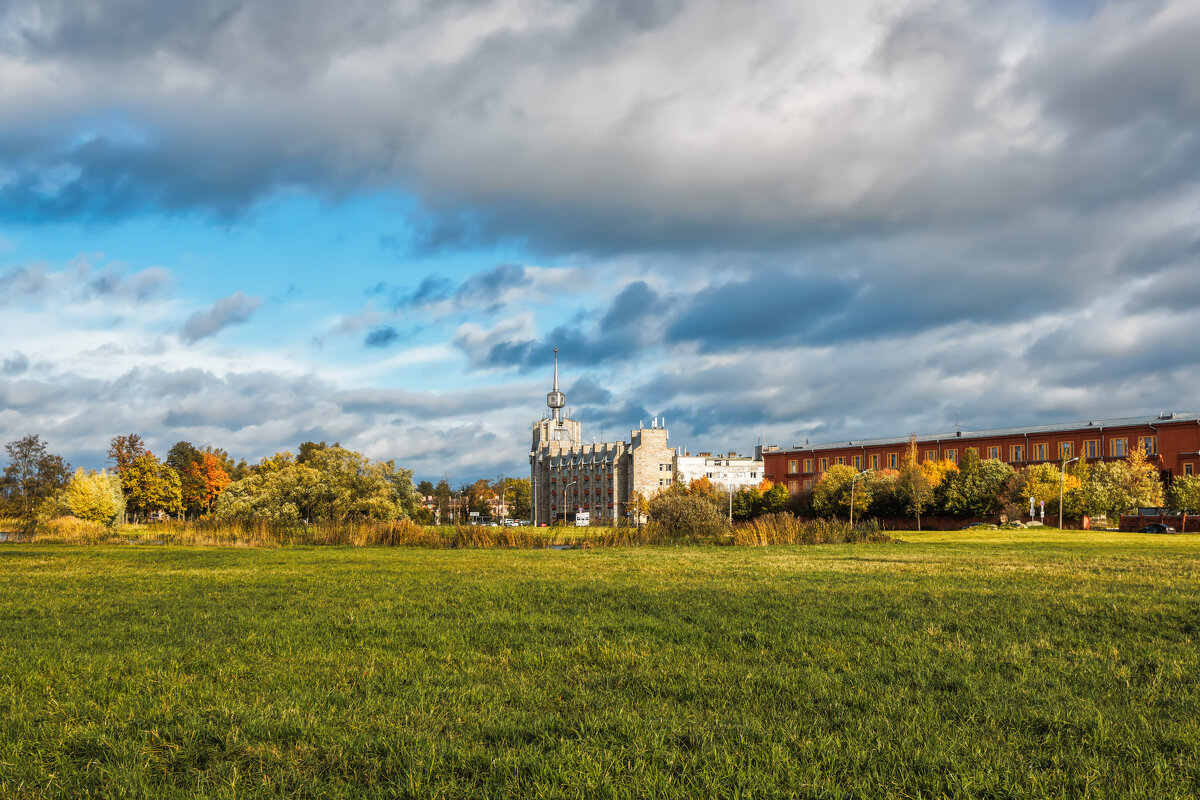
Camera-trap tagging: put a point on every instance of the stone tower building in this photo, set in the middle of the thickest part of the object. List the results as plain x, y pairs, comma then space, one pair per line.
568, 476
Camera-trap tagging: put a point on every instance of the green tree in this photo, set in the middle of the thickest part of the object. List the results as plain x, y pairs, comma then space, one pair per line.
331, 484
680, 514
442, 494
976, 489
881, 486
187, 462
1184, 494
95, 496
747, 502
518, 496
31, 479
1121, 486
310, 449
831, 495
774, 500
151, 486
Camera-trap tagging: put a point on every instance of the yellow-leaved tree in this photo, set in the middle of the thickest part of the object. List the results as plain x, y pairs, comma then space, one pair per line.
95, 497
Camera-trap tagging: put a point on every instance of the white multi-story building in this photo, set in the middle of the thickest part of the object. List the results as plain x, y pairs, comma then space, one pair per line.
729, 471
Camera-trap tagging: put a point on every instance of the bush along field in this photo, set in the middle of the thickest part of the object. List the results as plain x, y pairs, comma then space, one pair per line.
973, 664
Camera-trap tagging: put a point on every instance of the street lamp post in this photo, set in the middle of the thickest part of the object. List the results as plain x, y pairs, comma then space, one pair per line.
853, 481
1062, 476
564, 502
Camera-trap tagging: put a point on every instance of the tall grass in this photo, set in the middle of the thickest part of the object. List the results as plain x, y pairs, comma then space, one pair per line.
784, 528
775, 529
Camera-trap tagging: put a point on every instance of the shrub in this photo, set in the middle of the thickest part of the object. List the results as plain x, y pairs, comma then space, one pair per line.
676, 516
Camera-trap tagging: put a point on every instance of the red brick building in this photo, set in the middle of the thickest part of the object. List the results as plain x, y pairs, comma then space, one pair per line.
1171, 441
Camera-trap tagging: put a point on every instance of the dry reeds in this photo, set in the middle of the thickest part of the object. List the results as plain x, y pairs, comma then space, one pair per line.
774, 529
784, 528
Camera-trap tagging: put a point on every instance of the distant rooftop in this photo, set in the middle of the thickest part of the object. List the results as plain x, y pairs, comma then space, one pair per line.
1120, 422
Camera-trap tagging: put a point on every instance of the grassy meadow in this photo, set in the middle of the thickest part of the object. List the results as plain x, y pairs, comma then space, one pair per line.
990, 664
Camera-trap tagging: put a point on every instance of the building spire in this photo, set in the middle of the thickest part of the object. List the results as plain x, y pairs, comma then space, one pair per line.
556, 399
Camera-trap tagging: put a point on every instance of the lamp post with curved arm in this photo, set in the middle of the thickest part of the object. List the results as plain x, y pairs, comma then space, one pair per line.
564, 502
1062, 476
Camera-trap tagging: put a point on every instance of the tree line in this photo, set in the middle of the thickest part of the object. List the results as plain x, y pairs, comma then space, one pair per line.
320, 482
973, 488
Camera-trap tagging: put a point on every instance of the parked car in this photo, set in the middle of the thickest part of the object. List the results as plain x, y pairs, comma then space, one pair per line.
1156, 527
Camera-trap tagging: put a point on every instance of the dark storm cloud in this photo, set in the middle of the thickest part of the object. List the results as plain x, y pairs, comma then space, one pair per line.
636, 303
16, 365
768, 307
617, 333
382, 336
586, 391
493, 121
233, 310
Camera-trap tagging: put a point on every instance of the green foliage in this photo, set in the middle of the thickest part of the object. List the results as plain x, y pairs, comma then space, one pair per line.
31, 480
975, 490
1184, 494
677, 514
331, 483
1120, 487
747, 503
774, 500
831, 495
151, 487
517, 494
94, 497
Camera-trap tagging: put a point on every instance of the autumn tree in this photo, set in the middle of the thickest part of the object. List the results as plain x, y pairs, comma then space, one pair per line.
831, 495
1119, 486
94, 496
124, 450
913, 488
31, 479
281, 460
212, 478
332, 484
151, 486
235, 470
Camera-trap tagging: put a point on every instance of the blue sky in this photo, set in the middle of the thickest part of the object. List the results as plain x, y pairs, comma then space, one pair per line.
248, 225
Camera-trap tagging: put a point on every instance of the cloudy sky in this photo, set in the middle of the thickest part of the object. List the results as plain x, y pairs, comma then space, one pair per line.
252, 223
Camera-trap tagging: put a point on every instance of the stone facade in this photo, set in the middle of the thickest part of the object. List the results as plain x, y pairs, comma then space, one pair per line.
567, 476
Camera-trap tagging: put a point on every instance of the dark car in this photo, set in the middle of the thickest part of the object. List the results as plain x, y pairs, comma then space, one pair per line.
1156, 527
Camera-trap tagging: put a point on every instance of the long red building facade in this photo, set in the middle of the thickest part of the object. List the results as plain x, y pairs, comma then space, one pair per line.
1170, 441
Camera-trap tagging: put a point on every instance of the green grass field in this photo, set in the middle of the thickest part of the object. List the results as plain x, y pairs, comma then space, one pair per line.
995, 664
